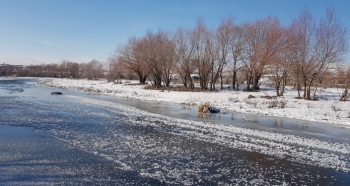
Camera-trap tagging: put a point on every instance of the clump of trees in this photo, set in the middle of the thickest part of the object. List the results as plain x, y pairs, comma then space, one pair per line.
299, 53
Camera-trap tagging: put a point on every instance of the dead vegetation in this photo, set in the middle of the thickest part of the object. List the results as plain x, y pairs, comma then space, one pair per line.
178, 89
269, 97
204, 108
276, 104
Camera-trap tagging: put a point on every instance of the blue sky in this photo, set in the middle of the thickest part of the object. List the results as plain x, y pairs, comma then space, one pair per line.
49, 31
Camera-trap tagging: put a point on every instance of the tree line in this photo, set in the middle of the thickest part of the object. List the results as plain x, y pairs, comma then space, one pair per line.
299, 53
65, 69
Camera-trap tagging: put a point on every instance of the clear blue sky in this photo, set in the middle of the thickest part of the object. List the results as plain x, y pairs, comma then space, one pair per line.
49, 31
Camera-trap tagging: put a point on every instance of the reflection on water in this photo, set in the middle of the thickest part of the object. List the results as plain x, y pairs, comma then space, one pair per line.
279, 123
186, 108
209, 116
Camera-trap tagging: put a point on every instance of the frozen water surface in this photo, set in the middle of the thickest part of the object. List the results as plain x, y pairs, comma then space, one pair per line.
29, 158
83, 139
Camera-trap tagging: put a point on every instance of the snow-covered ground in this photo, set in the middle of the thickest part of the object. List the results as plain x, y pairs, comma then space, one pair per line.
327, 109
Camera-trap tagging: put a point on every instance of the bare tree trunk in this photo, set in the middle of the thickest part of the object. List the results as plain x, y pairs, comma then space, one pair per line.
234, 81
277, 86
299, 90
344, 95
305, 89
256, 85
222, 84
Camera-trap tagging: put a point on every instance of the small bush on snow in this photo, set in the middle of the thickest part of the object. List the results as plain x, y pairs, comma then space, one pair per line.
276, 104
335, 108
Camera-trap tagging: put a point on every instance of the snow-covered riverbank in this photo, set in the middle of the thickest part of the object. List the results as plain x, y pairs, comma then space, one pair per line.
327, 109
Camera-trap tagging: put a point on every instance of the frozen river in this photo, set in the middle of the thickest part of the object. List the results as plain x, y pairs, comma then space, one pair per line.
84, 139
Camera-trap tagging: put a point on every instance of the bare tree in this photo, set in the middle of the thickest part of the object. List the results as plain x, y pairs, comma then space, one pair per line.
93, 69
212, 56
279, 66
110, 66
263, 43
63, 68
72, 69
158, 53
201, 56
184, 53
67, 69
130, 55
223, 36
344, 79
236, 46
51, 70
318, 45
168, 60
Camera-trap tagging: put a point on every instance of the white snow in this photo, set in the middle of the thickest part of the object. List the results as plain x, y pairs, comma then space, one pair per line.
327, 109
311, 151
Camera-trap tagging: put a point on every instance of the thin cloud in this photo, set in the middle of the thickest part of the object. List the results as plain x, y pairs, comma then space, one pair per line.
47, 42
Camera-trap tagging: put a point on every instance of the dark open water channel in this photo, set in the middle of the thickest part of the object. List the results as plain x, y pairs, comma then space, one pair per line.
82, 139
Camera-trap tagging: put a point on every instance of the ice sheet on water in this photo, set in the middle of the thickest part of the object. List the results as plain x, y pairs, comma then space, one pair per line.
295, 148
167, 148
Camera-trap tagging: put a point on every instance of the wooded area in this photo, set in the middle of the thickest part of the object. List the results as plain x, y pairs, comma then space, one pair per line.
299, 53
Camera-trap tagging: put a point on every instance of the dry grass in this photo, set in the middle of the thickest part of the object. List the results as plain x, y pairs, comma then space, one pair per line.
276, 104
179, 89
204, 107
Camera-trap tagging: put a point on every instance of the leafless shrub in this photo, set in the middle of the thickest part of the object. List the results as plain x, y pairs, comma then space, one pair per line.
272, 104
251, 96
276, 104
308, 105
251, 101
268, 97
283, 103
337, 115
255, 103
233, 99
335, 108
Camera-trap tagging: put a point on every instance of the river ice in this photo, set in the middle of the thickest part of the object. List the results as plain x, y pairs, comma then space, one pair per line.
175, 151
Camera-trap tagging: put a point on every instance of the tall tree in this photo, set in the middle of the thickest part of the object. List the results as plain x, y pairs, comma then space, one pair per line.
94, 69
201, 55
263, 43
130, 55
236, 47
212, 55
184, 53
111, 67
279, 66
319, 44
223, 36
158, 54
